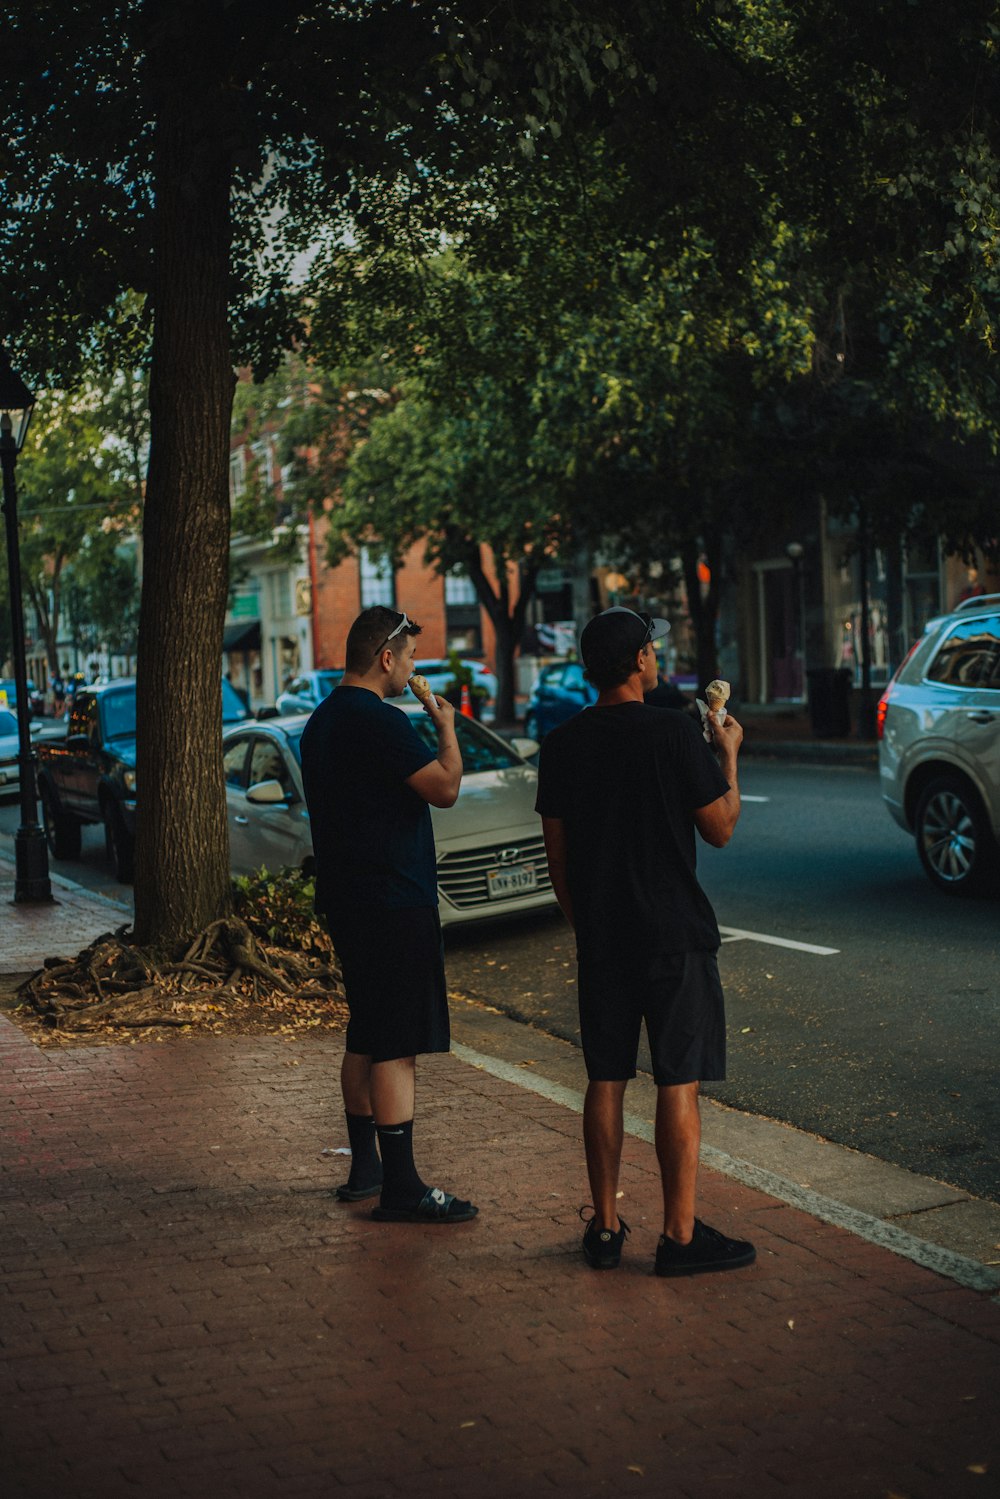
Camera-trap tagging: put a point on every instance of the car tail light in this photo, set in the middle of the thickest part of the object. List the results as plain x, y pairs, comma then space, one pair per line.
880, 712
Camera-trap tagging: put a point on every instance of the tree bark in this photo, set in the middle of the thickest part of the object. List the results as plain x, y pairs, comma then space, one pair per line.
704, 612
182, 853
507, 622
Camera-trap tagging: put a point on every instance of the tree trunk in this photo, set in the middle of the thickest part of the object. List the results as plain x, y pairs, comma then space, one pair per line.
704, 612
182, 854
507, 622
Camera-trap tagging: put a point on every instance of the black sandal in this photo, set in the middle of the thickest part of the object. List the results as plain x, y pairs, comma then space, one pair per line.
435, 1206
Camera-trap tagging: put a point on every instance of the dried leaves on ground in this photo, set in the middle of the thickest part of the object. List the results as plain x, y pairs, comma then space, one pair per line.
268, 969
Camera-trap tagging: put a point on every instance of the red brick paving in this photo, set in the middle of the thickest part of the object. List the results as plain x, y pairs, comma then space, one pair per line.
186, 1311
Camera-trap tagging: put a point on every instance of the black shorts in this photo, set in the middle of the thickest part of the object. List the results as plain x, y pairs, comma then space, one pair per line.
393, 966
679, 995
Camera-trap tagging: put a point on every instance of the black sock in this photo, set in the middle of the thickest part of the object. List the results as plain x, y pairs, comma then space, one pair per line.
401, 1186
366, 1168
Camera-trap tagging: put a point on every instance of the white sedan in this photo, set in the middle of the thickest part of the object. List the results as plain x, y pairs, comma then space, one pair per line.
490, 851
10, 773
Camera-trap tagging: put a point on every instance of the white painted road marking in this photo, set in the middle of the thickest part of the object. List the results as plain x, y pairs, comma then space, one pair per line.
734, 934
744, 798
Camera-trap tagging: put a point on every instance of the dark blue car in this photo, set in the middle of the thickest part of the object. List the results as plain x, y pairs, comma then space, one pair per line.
560, 691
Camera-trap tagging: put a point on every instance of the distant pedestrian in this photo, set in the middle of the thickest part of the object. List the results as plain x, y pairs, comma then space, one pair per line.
370, 781
623, 788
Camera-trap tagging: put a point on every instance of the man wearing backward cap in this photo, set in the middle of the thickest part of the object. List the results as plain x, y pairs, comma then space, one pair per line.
623, 788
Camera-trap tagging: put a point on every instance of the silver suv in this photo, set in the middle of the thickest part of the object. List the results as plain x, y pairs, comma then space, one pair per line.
939, 746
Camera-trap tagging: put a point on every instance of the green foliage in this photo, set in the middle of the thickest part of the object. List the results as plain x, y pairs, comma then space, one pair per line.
461, 676
76, 492
279, 909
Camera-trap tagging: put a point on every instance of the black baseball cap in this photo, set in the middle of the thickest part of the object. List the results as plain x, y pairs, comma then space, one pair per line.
614, 635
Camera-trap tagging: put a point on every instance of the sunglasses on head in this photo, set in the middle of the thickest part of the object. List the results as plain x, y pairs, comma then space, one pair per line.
404, 624
648, 620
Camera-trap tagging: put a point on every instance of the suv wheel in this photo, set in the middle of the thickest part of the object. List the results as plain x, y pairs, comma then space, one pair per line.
955, 844
63, 834
120, 845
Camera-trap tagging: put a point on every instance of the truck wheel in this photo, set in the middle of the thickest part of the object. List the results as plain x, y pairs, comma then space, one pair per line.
120, 845
63, 833
954, 841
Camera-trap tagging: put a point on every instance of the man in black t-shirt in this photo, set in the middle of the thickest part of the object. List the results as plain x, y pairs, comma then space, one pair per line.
623, 789
370, 781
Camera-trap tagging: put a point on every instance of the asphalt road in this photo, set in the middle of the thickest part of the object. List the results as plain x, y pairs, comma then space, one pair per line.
888, 1045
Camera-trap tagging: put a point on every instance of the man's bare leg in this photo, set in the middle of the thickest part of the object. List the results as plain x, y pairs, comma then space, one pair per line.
355, 1082
394, 1090
603, 1134
678, 1139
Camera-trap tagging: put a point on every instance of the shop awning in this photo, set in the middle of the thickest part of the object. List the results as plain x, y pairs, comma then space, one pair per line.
241, 635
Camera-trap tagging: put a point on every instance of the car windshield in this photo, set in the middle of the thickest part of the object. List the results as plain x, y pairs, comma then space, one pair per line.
480, 750
8, 723
118, 712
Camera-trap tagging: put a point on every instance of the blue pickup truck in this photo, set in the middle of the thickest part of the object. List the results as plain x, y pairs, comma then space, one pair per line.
89, 777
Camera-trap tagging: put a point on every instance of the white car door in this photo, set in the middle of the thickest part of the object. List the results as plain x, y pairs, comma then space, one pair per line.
275, 835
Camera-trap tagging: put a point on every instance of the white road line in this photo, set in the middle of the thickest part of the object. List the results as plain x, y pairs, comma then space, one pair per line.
734, 934
745, 798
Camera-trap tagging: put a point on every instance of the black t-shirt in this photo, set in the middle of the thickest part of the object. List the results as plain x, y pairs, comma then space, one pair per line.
626, 780
371, 833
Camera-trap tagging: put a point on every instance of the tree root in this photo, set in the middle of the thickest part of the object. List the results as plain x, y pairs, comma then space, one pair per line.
113, 983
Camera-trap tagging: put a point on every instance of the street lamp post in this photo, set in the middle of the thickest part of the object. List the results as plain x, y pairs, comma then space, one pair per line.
31, 881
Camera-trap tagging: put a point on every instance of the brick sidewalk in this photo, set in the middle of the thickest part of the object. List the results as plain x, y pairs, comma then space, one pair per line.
185, 1310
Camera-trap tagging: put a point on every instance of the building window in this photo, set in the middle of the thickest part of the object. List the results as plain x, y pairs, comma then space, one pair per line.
237, 474
459, 589
263, 457
378, 582
279, 587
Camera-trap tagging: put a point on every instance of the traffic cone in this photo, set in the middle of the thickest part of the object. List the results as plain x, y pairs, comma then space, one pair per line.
466, 707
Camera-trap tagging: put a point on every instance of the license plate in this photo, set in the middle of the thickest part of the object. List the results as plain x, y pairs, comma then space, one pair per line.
501, 882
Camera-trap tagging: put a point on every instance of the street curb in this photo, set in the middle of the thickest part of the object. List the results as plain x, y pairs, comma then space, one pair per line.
63, 882
823, 752
966, 1272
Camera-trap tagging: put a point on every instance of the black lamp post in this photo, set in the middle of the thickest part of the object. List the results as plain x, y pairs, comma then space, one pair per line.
31, 882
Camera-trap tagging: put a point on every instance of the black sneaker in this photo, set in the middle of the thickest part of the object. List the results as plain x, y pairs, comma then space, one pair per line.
602, 1248
708, 1250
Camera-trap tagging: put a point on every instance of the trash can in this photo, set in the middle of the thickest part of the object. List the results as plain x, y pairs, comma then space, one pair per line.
829, 701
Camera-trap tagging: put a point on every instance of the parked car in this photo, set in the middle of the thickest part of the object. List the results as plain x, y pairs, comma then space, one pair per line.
306, 691
559, 691
938, 727
439, 674
8, 691
88, 776
490, 851
10, 771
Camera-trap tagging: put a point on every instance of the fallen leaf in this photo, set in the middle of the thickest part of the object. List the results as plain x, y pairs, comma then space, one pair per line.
634, 1468
977, 1468
746, 1030
791, 1322
465, 1425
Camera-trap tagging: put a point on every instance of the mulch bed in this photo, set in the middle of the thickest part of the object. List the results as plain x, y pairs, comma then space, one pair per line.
227, 981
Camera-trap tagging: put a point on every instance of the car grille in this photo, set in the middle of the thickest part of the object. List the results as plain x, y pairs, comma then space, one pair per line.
461, 876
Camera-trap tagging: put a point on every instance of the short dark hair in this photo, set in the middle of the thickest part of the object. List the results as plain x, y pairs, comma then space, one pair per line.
611, 673
369, 632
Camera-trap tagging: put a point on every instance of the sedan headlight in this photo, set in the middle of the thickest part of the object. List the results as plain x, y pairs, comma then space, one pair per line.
129, 779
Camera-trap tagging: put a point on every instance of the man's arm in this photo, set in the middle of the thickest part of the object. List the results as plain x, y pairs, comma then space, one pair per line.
439, 782
717, 821
554, 830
